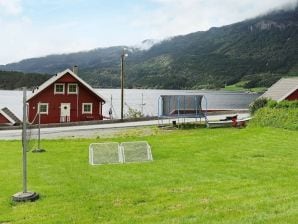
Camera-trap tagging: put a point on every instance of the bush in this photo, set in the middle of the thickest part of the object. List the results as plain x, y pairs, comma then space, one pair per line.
282, 104
133, 113
286, 118
287, 104
272, 104
257, 104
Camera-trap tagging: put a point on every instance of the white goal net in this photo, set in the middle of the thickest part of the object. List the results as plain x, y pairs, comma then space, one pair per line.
113, 152
136, 151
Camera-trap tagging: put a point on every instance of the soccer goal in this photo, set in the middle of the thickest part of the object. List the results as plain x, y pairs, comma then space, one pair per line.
105, 153
113, 152
136, 151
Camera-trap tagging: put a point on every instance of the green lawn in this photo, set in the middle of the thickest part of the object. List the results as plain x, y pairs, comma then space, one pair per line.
197, 176
238, 87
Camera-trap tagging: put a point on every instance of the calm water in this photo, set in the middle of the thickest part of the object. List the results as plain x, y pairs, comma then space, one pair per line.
149, 104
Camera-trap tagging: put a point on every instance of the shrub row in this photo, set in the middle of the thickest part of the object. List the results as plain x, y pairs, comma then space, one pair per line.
286, 118
282, 104
264, 102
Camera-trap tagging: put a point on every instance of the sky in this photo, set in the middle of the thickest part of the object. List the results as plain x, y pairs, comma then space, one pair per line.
34, 28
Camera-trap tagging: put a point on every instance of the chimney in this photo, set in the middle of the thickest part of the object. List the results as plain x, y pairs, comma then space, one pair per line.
75, 69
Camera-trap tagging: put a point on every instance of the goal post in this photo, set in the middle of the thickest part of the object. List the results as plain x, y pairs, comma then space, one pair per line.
136, 151
104, 153
125, 152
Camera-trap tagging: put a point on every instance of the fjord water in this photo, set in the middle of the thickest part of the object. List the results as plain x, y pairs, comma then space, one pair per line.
149, 105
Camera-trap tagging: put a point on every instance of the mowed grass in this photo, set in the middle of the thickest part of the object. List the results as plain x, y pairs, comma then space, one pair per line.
197, 176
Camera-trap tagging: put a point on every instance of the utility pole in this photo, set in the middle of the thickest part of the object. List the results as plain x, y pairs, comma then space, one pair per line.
123, 55
142, 105
24, 141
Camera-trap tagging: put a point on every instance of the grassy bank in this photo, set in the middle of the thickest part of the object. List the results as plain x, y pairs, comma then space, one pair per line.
197, 176
278, 115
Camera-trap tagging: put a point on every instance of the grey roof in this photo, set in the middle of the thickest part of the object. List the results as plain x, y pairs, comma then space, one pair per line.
282, 89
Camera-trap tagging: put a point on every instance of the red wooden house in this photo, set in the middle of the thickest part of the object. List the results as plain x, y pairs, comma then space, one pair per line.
65, 98
284, 89
7, 117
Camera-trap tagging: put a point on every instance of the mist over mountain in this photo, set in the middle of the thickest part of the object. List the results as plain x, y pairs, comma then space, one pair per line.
258, 51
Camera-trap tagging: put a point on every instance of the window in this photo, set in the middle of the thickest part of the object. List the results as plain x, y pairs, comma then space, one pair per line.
87, 108
72, 88
59, 88
43, 108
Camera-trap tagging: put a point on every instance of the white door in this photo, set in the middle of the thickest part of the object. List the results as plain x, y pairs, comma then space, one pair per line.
65, 112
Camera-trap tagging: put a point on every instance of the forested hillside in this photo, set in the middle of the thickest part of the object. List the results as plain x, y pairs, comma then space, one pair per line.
16, 80
257, 51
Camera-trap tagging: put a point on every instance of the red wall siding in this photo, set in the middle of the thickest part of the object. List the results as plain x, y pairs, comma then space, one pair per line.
3, 120
76, 100
293, 96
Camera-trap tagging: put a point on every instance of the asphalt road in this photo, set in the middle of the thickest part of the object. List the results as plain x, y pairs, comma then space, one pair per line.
93, 131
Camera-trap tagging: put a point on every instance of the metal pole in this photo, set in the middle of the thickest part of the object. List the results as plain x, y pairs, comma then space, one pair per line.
38, 146
25, 195
111, 108
122, 83
24, 136
142, 104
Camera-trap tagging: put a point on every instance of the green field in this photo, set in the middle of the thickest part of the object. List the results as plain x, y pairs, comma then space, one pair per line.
197, 176
238, 87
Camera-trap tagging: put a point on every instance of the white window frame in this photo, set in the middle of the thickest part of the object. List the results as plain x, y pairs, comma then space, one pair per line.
83, 108
72, 84
99, 108
43, 112
60, 84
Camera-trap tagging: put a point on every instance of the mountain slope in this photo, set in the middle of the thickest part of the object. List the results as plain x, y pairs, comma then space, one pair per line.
266, 44
16, 80
259, 51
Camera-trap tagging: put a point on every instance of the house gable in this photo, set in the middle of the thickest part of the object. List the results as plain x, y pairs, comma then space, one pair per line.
293, 95
66, 76
3, 119
8, 117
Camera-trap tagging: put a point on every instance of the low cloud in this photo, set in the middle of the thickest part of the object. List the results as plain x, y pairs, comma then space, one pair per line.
11, 7
174, 17
23, 37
